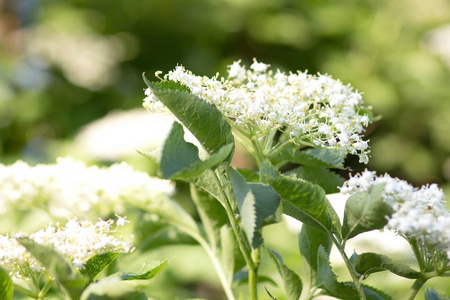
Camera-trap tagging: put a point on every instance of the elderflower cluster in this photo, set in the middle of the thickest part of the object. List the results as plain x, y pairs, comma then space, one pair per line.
418, 213
70, 189
316, 110
78, 241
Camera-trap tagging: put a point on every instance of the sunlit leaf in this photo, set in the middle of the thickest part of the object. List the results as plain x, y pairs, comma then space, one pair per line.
202, 119
180, 159
304, 201
365, 211
150, 270
369, 263
97, 264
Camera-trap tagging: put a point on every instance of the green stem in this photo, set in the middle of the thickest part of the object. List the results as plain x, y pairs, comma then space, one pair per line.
415, 288
349, 266
277, 149
210, 249
44, 290
417, 254
234, 224
253, 267
253, 274
216, 263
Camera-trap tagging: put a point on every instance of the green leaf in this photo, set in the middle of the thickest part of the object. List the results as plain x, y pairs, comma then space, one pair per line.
267, 204
202, 119
6, 285
180, 160
432, 294
211, 212
314, 157
369, 263
328, 280
150, 270
365, 211
328, 180
58, 266
114, 288
257, 202
124, 285
310, 239
97, 264
270, 295
304, 201
292, 281
375, 294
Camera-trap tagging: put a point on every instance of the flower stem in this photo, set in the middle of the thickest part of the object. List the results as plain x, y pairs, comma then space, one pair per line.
215, 261
249, 260
47, 286
210, 249
350, 268
417, 254
415, 288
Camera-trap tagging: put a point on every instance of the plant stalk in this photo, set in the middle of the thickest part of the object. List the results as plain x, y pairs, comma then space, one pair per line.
253, 267
415, 288
350, 268
215, 261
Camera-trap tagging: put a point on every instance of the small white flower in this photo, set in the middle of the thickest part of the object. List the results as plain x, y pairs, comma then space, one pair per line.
258, 67
121, 221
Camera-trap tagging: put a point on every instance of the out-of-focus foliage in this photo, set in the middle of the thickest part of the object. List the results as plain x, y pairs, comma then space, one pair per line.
66, 63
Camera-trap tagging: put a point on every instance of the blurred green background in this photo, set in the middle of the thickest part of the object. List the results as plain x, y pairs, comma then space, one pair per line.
65, 64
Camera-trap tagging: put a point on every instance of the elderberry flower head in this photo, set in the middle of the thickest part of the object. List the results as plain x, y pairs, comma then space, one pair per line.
315, 110
418, 213
78, 241
70, 189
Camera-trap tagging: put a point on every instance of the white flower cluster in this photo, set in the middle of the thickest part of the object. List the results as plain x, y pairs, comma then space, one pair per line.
78, 241
70, 189
418, 213
314, 109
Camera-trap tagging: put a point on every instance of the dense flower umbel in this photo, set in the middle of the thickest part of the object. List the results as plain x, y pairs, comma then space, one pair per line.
315, 110
78, 241
70, 189
418, 213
